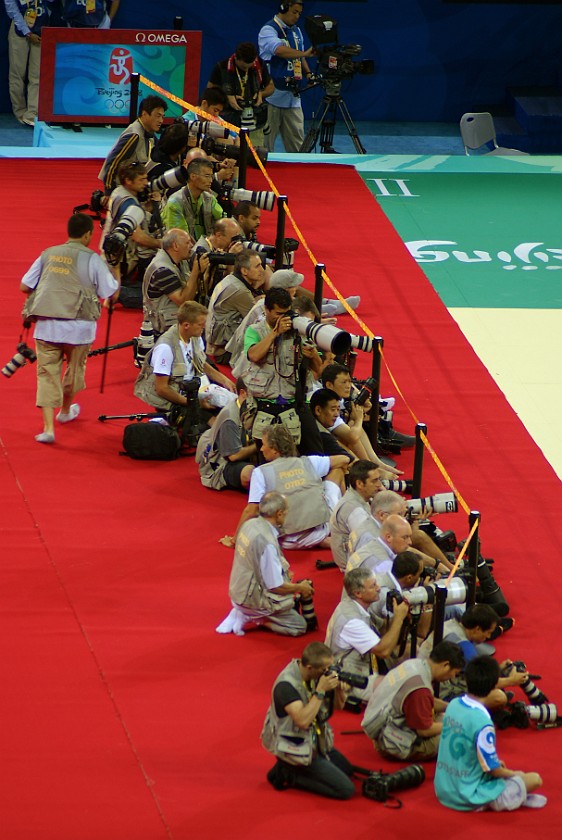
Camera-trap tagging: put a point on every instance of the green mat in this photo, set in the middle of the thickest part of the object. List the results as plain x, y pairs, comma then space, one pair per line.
482, 239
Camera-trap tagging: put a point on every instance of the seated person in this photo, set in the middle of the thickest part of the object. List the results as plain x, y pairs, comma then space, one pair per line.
471, 633
224, 238
325, 408
178, 358
194, 208
351, 634
166, 283
231, 300
260, 587
310, 483
353, 508
400, 715
469, 774
405, 574
226, 455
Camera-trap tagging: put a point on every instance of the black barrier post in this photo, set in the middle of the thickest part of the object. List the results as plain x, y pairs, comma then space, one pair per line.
280, 236
438, 622
134, 103
418, 461
243, 159
319, 285
473, 556
373, 426
178, 22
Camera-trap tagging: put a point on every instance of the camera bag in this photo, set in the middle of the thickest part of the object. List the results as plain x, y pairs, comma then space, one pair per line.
151, 442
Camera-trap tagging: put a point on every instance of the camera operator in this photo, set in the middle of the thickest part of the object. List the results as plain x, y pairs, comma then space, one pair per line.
400, 717
177, 358
67, 282
261, 588
231, 301
276, 374
24, 51
353, 508
245, 81
296, 728
281, 45
194, 208
351, 632
225, 238
126, 224
135, 143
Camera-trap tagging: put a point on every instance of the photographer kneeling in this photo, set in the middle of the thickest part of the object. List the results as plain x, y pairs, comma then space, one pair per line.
296, 728
177, 359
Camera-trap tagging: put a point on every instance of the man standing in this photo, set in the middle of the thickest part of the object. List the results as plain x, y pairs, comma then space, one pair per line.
353, 508
67, 282
194, 208
93, 14
245, 81
296, 728
281, 45
24, 49
135, 143
400, 716
260, 587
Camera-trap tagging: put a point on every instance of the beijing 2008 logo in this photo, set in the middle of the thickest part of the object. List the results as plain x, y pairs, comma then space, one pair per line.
120, 66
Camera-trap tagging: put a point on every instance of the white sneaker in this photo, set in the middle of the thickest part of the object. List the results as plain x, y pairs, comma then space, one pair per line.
72, 414
352, 302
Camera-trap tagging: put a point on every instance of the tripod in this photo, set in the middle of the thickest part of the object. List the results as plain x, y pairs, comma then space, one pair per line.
324, 123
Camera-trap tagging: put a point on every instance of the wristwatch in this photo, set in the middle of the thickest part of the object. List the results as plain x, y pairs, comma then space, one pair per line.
320, 694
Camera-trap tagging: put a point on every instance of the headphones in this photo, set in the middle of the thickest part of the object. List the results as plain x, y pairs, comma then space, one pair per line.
284, 7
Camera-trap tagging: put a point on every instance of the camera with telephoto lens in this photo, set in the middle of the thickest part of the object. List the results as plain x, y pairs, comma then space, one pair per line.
440, 503
325, 336
24, 354
380, 786
354, 680
226, 150
116, 240
187, 418
262, 199
169, 181
457, 590
289, 246
398, 485
362, 342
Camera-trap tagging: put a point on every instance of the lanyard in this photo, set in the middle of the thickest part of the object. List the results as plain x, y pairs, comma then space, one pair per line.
285, 34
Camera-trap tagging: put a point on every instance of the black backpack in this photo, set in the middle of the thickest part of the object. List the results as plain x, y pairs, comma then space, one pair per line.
151, 442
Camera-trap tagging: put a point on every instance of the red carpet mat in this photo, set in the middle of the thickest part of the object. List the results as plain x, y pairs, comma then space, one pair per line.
124, 714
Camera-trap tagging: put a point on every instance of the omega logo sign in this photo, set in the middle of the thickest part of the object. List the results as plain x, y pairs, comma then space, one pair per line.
160, 38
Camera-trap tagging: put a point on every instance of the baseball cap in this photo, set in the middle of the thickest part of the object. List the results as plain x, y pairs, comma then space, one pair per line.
285, 278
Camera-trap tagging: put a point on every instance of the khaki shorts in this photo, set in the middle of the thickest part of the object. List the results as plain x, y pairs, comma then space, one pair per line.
50, 358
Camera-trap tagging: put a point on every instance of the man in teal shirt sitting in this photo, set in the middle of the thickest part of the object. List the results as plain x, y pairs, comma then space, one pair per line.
469, 775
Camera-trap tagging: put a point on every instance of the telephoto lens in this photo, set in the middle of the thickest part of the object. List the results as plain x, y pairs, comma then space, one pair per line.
379, 786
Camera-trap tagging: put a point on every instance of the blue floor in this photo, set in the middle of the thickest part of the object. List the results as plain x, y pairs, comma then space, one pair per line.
382, 138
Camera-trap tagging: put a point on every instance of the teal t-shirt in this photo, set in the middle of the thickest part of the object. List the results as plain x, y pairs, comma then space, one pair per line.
467, 754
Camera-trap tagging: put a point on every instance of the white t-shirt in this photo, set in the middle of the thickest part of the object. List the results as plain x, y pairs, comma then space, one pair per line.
358, 635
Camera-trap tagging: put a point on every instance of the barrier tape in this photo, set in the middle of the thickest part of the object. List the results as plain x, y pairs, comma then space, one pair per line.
462, 552
326, 279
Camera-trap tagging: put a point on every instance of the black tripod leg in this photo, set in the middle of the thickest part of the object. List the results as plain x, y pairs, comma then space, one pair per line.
314, 131
351, 129
104, 365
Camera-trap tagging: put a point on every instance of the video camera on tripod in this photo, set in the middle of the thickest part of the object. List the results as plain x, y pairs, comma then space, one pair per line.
335, 61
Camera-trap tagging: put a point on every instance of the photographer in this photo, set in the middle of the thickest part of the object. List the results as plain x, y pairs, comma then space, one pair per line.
166, 284
194, 208
261, 588
177, 358
205, 259
351, 634
275, 372
296, 728
353, 508
66, 282
245, 81
135, 143
126, 225
400, 717
231, 301
281, 45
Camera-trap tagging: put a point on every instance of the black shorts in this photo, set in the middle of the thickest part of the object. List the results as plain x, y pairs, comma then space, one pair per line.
232, 473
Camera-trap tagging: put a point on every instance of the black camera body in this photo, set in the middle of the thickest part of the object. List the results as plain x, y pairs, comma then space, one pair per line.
379, 786
365, 392
354, 680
